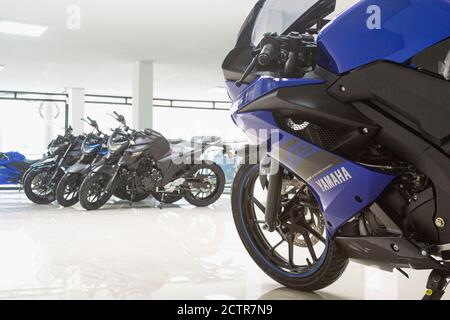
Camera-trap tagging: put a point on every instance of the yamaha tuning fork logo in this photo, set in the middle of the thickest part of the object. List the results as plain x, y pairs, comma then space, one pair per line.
334, 179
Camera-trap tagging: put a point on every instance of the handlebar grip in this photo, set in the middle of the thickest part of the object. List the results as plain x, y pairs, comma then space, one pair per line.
115, 113
90, 119
265, 57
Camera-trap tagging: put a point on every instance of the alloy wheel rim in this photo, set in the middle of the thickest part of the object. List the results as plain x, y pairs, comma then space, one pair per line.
296, 247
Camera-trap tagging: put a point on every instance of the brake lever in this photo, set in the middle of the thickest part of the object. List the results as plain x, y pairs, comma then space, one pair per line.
247, 72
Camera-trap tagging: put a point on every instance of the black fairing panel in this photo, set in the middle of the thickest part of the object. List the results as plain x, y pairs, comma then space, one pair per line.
311, 103
337, 124
430, 59
419, 100
431, 161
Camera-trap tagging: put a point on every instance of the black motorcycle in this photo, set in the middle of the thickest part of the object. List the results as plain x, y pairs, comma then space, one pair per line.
93, 149
147, 166
41, 180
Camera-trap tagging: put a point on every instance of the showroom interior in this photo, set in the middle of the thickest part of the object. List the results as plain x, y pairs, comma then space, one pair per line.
135, 64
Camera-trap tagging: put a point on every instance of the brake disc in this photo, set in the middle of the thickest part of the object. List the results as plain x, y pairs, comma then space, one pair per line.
317, 224
313, 217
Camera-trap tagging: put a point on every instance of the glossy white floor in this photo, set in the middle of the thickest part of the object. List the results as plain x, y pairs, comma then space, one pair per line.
180, 252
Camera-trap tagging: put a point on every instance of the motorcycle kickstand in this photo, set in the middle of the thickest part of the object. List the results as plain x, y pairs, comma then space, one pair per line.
436, 285
160, 205
133, 191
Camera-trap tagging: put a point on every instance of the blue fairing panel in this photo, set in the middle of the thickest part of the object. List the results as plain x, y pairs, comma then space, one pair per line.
9, 174
342, 188
263, 85
407, 28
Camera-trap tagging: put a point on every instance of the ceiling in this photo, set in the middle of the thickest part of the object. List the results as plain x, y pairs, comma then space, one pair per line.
187, 40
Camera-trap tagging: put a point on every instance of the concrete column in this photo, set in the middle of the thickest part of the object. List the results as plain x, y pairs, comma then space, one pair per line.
76, 109
142, 95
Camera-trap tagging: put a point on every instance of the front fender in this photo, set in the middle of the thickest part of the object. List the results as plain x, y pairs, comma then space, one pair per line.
105, 169
46, 164
80, 168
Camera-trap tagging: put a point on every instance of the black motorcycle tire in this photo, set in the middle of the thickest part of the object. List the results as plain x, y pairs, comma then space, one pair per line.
333, 266
87, 185
66, 179
217, 193
29, 190
168, 198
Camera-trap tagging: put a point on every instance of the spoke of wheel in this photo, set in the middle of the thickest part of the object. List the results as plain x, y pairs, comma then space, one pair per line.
276, 246
258, 204
314, 233
310, 245
291, 251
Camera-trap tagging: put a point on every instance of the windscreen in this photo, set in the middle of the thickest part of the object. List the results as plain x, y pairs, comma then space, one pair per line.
278, 16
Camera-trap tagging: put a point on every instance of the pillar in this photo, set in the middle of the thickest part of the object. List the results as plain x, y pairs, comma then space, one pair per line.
142, 95
76, 109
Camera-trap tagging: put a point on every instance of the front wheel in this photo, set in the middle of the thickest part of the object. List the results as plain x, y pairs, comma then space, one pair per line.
211, 181
95, 191
38, 186
299, 254
67, 192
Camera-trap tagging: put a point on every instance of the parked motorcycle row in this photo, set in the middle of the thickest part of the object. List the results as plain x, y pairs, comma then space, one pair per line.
129, 164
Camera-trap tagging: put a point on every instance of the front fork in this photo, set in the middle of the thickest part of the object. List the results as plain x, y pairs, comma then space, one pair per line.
113, 178
273, 203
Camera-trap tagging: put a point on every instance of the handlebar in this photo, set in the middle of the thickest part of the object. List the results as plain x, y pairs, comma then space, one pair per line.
118, 117
266, 55
289, 55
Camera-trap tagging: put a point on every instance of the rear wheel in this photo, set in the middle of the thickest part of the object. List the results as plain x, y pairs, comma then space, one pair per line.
299, 254
67, 192
213, 179
94, 191
38, 186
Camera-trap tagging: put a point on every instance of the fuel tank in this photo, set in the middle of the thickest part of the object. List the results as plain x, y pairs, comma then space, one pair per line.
390, 30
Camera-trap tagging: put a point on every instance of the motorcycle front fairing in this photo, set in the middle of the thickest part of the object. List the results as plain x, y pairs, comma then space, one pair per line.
12, 166
342, 188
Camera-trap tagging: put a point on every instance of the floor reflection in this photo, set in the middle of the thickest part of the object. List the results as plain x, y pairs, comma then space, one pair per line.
142, 252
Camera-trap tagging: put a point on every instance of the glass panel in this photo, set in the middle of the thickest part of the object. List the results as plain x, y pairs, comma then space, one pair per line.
278, 15
29, 126
185, 123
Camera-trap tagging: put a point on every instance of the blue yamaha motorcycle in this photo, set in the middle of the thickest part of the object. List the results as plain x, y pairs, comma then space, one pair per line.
350, 119
13, 166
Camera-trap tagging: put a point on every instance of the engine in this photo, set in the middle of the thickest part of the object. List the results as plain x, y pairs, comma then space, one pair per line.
409, 201
148, 175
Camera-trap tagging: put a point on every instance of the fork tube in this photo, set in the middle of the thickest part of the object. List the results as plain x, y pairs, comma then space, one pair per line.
273, 203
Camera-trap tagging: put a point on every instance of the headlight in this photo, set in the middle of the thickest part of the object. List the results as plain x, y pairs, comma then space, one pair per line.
113, 147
